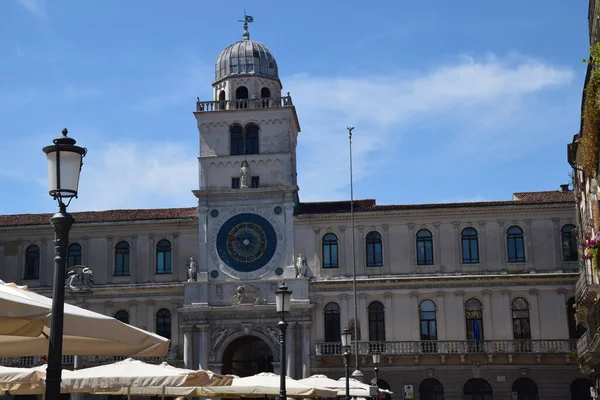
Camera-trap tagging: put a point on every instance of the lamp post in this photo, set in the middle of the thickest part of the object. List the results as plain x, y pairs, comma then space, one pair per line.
376, 360
64, 165
282, 301
346, 339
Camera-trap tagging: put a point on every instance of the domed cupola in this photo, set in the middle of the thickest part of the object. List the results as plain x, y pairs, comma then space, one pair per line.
246, 58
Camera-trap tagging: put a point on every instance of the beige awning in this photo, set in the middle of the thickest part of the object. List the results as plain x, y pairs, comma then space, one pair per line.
25, 319
127, 376
266, 384
357, 389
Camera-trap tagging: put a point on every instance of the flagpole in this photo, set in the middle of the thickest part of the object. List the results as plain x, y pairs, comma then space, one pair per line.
357, 373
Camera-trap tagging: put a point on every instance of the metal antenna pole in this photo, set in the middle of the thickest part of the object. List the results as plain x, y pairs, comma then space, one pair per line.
356, 352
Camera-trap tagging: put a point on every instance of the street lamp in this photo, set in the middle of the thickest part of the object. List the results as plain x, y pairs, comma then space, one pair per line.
376, 360
346, 339
282, 301
64, 165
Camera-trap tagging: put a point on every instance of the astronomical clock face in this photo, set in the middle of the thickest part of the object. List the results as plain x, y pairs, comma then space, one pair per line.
246, 242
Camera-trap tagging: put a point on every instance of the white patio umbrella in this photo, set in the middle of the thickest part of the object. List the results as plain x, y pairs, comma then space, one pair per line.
354, 382
357, 389
123, 376
266, 384
13, 375
25, 319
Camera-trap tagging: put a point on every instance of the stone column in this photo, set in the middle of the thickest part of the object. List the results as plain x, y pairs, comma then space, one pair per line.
289, 235
412, 248
203, 250
483, 259
110, 260
175, 268
345, 313
414, 316
437, 245
529, 243
506, 329
290, 349
457, 248
108, 309
387, 261
561, 312
363, 317
556, 243
534, 314
441, 315
345, 267
360, 250
133, 320
389, 316
203, 346
502, 256
319, 319
187, 347
151, 258
85, 252
135, 272
317, 261
488, 328
306, 349
150, 316
460, 306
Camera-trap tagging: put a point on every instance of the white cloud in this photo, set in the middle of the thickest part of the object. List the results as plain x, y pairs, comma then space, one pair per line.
387, 109
138, 175
34, 6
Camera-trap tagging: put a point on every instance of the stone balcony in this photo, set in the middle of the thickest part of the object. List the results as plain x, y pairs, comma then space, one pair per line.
244, 104
459, 348
587, 286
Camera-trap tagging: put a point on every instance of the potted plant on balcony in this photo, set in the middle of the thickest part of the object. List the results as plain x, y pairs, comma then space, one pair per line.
592, 251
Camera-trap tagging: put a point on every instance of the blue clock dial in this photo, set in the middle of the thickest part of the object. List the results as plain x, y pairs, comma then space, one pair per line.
246, 242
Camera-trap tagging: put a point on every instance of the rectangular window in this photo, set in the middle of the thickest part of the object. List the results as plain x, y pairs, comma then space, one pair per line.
255, 182
122, 264
235, 183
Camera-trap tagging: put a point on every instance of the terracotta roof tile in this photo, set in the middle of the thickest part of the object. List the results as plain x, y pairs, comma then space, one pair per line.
549, 197
103, 216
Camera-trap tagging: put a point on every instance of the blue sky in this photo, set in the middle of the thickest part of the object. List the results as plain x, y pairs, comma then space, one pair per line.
451, 101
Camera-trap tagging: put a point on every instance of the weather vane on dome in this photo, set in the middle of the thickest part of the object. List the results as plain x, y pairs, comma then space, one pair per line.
247, 19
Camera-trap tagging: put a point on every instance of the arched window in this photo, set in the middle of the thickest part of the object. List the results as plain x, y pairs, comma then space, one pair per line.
520, 319
431, 389
241, 96
575, 330
374, 250
424, 247
74, 255
122, 316
236, 140
427, 316
525, 388
221, 104
515, 244
32, 262
122, 259
163, 257
251, 139
330, 251
163, 323
265, 93
477, 389
470, 246
580, 389
569, 242
474, 319
376, 322
331, 314
241, 93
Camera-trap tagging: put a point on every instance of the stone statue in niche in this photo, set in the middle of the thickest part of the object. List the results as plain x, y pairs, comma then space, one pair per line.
79, 279
192, 270
244, 175
274, 334
301, 266
245, 294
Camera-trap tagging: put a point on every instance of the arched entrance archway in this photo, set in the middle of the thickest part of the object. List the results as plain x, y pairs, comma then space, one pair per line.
246, 356
580, 389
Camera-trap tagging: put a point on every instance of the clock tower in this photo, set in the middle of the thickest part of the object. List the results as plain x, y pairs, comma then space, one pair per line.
247, 178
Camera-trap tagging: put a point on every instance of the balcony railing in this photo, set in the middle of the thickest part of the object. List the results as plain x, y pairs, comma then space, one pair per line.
241, 104
560, 346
